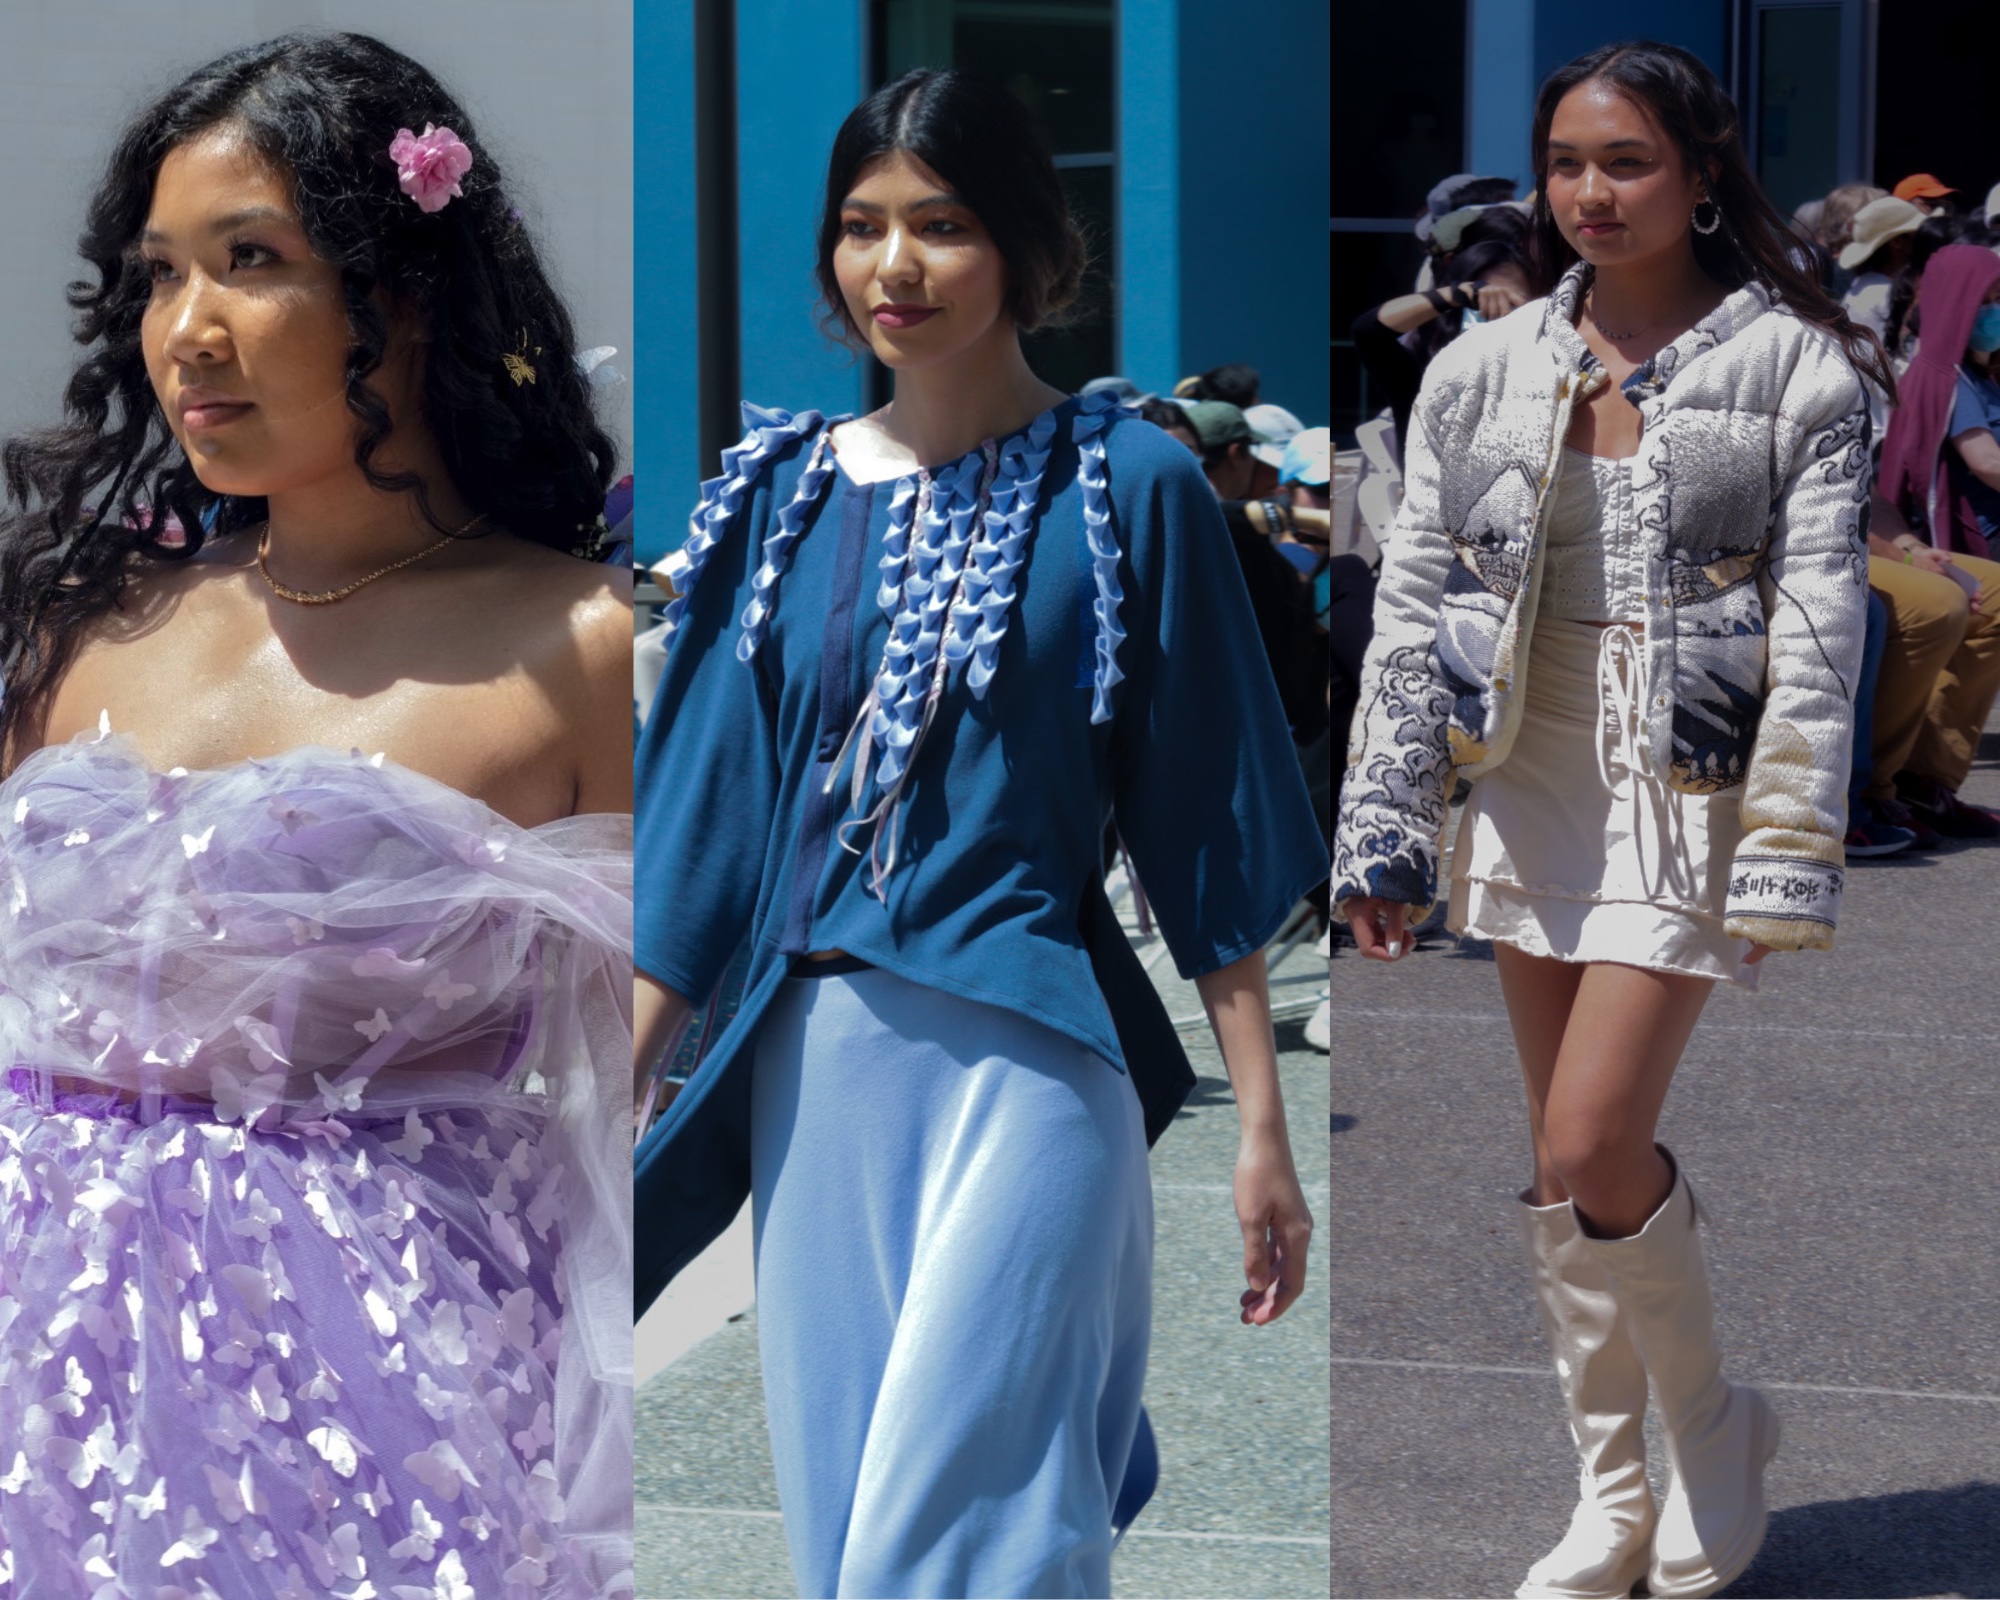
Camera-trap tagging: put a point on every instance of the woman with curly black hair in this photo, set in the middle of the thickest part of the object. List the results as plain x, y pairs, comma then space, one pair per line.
314, 825
901, 703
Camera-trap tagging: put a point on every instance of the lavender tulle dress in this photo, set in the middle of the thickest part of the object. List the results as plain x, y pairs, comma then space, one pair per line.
314, 1204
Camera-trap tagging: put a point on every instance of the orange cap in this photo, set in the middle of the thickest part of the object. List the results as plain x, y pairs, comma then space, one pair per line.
1920, 186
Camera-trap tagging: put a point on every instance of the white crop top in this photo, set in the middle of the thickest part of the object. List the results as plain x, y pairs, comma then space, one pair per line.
1593, 569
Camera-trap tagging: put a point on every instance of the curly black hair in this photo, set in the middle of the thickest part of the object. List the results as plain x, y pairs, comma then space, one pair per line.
110, 485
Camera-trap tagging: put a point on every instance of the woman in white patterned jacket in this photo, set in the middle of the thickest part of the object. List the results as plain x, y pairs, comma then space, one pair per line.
1626, 595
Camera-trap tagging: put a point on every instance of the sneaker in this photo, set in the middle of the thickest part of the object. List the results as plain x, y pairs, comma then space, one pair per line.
1319, 1029
1932, 802
1871, 836
1898, 815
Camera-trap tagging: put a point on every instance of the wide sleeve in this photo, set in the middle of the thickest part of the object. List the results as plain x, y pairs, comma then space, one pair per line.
706, 777
1208, 792
1785, 882
1397, 791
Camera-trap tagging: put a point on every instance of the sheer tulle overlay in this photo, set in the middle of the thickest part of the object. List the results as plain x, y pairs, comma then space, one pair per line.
314, 1203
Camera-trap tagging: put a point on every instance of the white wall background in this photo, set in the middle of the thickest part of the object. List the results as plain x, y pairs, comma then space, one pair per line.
547, 82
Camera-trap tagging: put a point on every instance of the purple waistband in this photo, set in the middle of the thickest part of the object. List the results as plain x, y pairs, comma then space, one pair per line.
24, 1081
123, 1106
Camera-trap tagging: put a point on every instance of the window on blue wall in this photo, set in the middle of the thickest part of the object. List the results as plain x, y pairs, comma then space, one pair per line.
1798, 103
1057, 58
1398, 127
1934, 96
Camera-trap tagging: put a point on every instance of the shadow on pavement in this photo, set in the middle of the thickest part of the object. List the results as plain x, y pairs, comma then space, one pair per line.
1925, 1542
1206, 1092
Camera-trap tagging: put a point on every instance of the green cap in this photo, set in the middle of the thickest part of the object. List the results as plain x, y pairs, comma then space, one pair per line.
1216, 423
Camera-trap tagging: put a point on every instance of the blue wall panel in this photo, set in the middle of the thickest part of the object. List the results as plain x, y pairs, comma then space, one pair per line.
1566, 29
665, 410
1255, 174
800, 68
1148, 268
1500, 87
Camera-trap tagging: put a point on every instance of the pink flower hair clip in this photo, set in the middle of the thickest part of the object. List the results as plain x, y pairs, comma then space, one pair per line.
429, 165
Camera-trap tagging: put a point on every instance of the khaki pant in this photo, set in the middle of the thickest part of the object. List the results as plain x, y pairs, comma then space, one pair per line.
1940, 670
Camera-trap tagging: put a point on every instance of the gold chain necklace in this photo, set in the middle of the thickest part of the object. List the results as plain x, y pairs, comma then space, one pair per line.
326, 597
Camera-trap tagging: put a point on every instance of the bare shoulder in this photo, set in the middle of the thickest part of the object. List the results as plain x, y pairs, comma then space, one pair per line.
578, 614
563, 592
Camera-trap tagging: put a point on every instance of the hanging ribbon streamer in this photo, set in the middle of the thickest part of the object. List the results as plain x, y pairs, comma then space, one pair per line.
723, 497
979, 616
778, 542
950, 568
903, 702
1100, 534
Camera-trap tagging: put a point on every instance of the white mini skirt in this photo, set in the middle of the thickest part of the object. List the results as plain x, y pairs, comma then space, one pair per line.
1572, 848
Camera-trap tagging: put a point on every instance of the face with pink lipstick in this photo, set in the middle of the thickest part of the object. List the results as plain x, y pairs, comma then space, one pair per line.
920, 277
245, 331
1619, 188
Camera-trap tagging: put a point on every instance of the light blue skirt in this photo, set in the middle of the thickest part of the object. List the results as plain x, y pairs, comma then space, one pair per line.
954, 1229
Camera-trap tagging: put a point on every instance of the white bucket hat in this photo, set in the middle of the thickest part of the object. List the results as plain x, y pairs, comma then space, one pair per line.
1875, 224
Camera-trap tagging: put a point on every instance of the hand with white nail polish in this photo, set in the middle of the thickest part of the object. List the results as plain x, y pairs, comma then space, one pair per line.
1378, 926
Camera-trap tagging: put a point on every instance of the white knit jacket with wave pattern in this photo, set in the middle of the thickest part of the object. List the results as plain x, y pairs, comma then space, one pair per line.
1750, 491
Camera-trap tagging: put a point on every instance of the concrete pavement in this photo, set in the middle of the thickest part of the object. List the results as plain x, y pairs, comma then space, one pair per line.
1240, 1412
1839, 1128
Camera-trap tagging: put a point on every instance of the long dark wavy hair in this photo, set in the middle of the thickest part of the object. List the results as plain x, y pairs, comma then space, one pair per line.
1753, 242
110, 486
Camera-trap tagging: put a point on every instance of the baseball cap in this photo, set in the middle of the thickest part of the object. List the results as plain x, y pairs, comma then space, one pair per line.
1306, 458
1459, 191
1920, 186
1216, 423
1875, 224
1272, 427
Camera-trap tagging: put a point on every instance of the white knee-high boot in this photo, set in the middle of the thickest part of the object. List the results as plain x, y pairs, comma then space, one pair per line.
1610, 1537
1720, 1435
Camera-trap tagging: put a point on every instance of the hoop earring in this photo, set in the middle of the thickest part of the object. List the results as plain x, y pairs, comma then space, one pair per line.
1715, 215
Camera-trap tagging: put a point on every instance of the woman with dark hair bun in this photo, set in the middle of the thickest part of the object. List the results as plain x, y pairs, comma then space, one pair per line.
901, 702
312, 1238
1626, 595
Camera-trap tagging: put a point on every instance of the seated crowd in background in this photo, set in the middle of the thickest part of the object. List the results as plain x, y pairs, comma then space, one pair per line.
1905, 259
1272, 478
